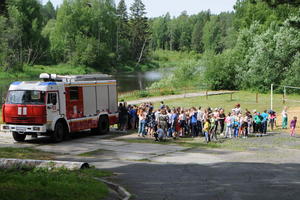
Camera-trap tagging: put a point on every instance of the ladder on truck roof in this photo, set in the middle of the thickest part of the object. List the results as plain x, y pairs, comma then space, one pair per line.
71, 78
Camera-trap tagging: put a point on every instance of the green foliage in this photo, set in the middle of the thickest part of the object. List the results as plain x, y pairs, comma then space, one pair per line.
266, 51
196, 32
94, 34
123, 36
35, 70
215, 74
250, 48
139, 30
166, 92
24, 153
51, 184
143, 94
20, 34
48, 12
184, 69
84, 33
197, 43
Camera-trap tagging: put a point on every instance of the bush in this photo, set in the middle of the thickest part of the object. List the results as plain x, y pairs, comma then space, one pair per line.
166, 92
143, 94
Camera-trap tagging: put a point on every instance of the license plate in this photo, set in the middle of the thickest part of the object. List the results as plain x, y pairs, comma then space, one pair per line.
22, 129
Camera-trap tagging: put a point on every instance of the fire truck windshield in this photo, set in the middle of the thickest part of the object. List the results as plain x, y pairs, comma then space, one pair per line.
26, 97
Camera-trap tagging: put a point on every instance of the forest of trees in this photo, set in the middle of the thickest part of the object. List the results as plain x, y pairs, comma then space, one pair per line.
251, 48
255, 45
93, 33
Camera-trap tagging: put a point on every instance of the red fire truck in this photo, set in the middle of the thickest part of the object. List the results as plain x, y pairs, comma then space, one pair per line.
59, 105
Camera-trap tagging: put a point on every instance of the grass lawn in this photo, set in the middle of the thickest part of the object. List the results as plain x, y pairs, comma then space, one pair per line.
245, 98
247, 101
55, 185
25, 153
38, 184
92, 153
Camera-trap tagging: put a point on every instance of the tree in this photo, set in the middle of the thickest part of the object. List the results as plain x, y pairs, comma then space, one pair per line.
276, 3
212, 35
2, 7
48, 12
139, 30
197, 44
159, 32
21, 34
122, 32
85, 34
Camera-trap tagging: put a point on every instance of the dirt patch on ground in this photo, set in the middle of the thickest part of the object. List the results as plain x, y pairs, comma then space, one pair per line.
292, 111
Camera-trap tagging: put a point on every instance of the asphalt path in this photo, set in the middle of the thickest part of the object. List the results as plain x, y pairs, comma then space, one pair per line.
171, 172
220, 181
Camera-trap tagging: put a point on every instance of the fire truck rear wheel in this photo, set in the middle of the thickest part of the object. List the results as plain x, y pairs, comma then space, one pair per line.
59, 132
103, 125
18, 137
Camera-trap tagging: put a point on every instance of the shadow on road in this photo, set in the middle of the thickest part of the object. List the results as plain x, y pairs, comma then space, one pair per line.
221, 181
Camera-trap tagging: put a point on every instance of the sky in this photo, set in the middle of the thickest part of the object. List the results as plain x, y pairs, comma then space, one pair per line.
155, 8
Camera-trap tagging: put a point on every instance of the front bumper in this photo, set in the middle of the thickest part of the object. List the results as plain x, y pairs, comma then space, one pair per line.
24, 128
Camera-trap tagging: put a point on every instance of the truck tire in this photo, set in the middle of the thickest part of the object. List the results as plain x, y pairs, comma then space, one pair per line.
18, 137
59, 132
103, 125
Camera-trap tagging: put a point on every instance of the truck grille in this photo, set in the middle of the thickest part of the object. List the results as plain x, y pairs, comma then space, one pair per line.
25, 120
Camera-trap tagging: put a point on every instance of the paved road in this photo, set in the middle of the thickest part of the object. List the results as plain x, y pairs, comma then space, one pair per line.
170, 172
223, 180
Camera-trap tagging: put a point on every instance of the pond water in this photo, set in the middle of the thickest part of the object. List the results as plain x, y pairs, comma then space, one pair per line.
137, 81
126, 81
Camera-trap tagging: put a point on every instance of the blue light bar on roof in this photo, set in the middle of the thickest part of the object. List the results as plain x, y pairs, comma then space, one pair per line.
16, 83
47, 83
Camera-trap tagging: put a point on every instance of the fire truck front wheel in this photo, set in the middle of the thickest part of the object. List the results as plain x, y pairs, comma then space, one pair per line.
18, 137
59, 132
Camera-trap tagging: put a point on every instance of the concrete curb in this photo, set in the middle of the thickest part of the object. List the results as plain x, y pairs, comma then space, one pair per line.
123, 193
9, 162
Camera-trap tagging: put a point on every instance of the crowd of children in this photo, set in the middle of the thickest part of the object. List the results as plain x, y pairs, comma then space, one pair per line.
180, 122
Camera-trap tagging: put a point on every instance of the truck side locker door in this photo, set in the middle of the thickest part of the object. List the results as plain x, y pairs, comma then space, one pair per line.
74, 106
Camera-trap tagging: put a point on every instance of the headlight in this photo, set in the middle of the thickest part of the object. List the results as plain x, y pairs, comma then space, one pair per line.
5, 127
36, 128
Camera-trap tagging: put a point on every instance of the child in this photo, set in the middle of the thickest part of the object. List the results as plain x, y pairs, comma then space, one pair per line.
159, 134
213, 128
206, 130
245, 126
236, 126
293, 126
228, 121
284, 118
272, 118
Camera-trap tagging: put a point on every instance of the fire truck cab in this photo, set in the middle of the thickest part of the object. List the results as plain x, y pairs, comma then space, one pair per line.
59, 105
